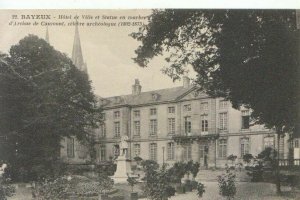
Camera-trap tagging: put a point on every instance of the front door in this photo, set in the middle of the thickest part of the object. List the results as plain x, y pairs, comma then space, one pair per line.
203, 155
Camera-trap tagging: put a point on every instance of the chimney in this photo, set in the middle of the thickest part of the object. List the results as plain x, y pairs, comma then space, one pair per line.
186, 81
136, 88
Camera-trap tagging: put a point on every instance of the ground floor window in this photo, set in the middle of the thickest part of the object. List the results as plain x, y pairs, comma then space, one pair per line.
70, 147
153, 152
137, 149
222, 147
102, 153
245, 146
201, 151
171, 151
187, 152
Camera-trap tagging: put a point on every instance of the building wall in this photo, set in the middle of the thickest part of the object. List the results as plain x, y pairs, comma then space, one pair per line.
233, 134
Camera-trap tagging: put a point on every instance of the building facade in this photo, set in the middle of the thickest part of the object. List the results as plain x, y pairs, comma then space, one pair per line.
180, 124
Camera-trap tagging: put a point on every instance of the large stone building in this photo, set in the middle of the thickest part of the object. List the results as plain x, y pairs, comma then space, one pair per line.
174, 124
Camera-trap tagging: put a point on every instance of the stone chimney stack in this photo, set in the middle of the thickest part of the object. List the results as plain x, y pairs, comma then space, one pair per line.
186, 81
136, 88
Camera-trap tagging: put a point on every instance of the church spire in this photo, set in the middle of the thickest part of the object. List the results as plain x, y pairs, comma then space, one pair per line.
47, 35
77, 57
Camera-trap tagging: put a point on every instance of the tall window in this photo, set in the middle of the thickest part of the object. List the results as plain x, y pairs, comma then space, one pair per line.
223, 121
223, 104
70, 147
103, 130
153, 127
102, 153
201, 151
136, 113
187, 107
153, 152
171, 151
137, 128
245, 146
204, 107
245, 119
153, 111
117, 129
296, 143
171, 126
137, 149
171, 110
187, 152
187, 124
222, 148
269, 142
204, 123
117, 114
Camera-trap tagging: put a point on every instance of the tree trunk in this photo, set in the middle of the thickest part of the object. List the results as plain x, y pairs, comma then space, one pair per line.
277, 178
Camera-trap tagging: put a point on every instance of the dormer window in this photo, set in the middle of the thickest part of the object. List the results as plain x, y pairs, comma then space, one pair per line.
155, 97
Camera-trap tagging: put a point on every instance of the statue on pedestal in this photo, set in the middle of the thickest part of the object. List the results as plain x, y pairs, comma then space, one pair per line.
123, 164
124, 145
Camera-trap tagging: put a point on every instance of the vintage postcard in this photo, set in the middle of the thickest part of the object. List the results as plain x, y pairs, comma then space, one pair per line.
149, 104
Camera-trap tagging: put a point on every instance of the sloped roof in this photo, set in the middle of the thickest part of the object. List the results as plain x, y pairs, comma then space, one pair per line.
155, 96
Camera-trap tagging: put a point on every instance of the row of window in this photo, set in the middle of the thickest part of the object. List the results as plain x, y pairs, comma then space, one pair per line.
223, 125
187, 149
171, 109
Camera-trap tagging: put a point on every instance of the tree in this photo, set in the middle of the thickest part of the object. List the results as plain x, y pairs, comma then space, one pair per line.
44, 98
247, 158
249, 57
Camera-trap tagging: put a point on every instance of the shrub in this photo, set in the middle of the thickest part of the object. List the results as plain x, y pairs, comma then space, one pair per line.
157, 181
55, 189
227, 184
6, 190
63, 187
132, 182
247, 158
200, 189
232, 158
194, 185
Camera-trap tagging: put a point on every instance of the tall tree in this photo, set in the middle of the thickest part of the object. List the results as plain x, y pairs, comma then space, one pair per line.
43, 98
249, 57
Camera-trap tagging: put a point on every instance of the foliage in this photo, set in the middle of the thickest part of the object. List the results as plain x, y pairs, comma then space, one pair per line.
149, 165
195, 169
229, 49
256, 172
137, 159
232, 158
157, 181
52, 189
6, 189
227, 184
247, 158
105, 184
44, 99
200, 189
65, 186
132, 182
179, 168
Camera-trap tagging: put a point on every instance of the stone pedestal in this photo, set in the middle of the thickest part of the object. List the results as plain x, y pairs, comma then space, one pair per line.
123, 170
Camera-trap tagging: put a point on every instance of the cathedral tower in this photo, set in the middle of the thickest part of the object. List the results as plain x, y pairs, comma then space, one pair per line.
77, 57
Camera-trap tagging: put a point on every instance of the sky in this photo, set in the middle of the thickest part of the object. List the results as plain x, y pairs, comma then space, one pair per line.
108, 51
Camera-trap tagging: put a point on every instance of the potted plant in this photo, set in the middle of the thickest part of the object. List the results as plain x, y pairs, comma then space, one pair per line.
200, 190
132, 182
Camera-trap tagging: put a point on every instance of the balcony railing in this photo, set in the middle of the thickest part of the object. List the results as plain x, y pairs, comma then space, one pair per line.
289, 163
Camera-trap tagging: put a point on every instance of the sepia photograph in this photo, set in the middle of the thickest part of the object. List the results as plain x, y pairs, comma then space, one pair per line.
128, 104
